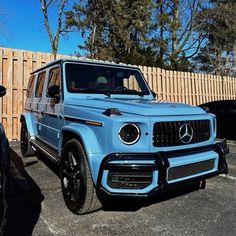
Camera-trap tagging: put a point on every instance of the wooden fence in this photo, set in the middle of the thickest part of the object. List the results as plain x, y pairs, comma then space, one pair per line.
191, 88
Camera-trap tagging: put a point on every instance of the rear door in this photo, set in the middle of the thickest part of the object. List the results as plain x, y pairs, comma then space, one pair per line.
37, 97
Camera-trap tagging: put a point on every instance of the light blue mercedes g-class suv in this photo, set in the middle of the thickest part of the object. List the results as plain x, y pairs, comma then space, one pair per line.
101, 123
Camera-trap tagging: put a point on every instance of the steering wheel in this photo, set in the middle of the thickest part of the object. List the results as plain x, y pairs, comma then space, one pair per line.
121, 88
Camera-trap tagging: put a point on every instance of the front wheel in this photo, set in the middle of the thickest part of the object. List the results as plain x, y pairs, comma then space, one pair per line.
77, 186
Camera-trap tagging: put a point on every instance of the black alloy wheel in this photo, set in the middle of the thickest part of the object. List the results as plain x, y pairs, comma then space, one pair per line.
26, 149
77, 185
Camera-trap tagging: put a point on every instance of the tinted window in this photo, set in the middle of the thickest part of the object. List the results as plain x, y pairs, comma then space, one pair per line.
98, 79
30, 86
54, 77
39, 85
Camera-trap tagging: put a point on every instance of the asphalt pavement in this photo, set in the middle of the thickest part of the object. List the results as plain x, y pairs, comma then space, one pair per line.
36, 206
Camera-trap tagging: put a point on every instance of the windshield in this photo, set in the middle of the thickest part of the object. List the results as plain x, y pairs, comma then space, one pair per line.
104, 79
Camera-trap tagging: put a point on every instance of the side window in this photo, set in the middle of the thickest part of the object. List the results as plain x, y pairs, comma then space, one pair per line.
39, 85
54, 77
30, 86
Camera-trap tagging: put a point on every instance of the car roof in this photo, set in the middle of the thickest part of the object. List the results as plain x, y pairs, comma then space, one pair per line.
84, 60
218, 101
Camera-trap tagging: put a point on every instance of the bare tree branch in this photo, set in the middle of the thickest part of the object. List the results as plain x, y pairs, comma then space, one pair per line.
54, 39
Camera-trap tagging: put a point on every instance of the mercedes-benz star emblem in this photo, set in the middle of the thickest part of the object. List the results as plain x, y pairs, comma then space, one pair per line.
185, 133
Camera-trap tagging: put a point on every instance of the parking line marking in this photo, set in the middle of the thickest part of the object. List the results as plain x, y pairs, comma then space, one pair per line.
228, 176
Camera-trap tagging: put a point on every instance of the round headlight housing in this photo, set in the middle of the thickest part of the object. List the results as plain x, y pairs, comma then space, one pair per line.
129, 133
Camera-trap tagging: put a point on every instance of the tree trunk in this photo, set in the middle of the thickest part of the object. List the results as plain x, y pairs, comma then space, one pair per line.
162, 50
174, 28
218, 62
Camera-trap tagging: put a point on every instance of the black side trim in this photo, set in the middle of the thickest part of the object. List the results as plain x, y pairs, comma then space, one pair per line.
88, 122
49, 114
46, 149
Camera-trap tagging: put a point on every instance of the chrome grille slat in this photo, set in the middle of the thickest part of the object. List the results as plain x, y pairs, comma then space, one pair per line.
129, 179
190, 169
166, 134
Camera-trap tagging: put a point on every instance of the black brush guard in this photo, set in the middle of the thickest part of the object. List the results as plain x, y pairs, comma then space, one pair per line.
161, 163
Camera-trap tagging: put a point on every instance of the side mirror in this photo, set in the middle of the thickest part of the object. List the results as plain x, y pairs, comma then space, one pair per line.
154, 94
2, 91
206, 109
53, 91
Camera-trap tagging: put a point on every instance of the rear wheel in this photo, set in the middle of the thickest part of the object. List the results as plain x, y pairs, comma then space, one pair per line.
26, 149
77, 186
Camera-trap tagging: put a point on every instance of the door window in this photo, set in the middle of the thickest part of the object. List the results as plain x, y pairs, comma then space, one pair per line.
54, 77
30, 86
40, 83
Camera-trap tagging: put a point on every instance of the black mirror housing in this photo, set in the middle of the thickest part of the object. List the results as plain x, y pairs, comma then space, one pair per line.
53, 91
206, 109
154, 94
2, 91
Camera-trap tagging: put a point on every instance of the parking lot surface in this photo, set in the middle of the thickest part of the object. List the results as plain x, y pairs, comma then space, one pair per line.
36, 206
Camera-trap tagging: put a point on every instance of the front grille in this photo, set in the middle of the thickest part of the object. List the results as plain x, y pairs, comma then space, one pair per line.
168, 133
129, 179
190, 169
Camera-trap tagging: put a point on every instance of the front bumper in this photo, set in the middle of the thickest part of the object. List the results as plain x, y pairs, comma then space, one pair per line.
146, 174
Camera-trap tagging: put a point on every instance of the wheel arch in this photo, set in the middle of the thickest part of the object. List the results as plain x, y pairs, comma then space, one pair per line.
85, 136
30, 124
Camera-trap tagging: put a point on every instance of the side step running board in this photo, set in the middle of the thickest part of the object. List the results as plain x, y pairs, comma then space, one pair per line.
46, 150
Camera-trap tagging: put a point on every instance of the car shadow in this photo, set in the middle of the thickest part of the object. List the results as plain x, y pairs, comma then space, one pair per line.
134, 204
127, 204
25, 212
52, 166
24, 200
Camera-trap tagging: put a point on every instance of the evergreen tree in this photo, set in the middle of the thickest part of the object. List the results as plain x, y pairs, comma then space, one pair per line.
218, 22
113, 30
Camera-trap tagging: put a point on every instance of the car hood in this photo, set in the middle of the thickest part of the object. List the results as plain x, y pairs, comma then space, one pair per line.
137, 106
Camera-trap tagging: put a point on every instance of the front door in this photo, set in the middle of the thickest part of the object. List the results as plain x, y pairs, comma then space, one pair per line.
51, 110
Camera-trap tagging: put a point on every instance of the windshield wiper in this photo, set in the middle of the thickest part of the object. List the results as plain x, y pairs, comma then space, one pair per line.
93, 91
131, 91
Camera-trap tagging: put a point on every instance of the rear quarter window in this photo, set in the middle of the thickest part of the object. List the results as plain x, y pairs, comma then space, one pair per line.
30, 86
39, 85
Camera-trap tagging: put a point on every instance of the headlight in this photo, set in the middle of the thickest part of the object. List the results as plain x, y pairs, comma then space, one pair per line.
129, 133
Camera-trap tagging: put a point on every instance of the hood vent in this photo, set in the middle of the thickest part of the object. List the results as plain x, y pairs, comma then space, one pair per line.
112, 112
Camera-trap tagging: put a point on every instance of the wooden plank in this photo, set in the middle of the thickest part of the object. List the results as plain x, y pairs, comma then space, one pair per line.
20, 84
10, 93
175, 86
163, 73
154, 81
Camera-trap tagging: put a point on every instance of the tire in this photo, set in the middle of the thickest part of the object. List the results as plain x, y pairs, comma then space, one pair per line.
78, 190
26, 149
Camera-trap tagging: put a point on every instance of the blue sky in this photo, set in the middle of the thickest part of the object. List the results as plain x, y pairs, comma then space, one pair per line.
24, 29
